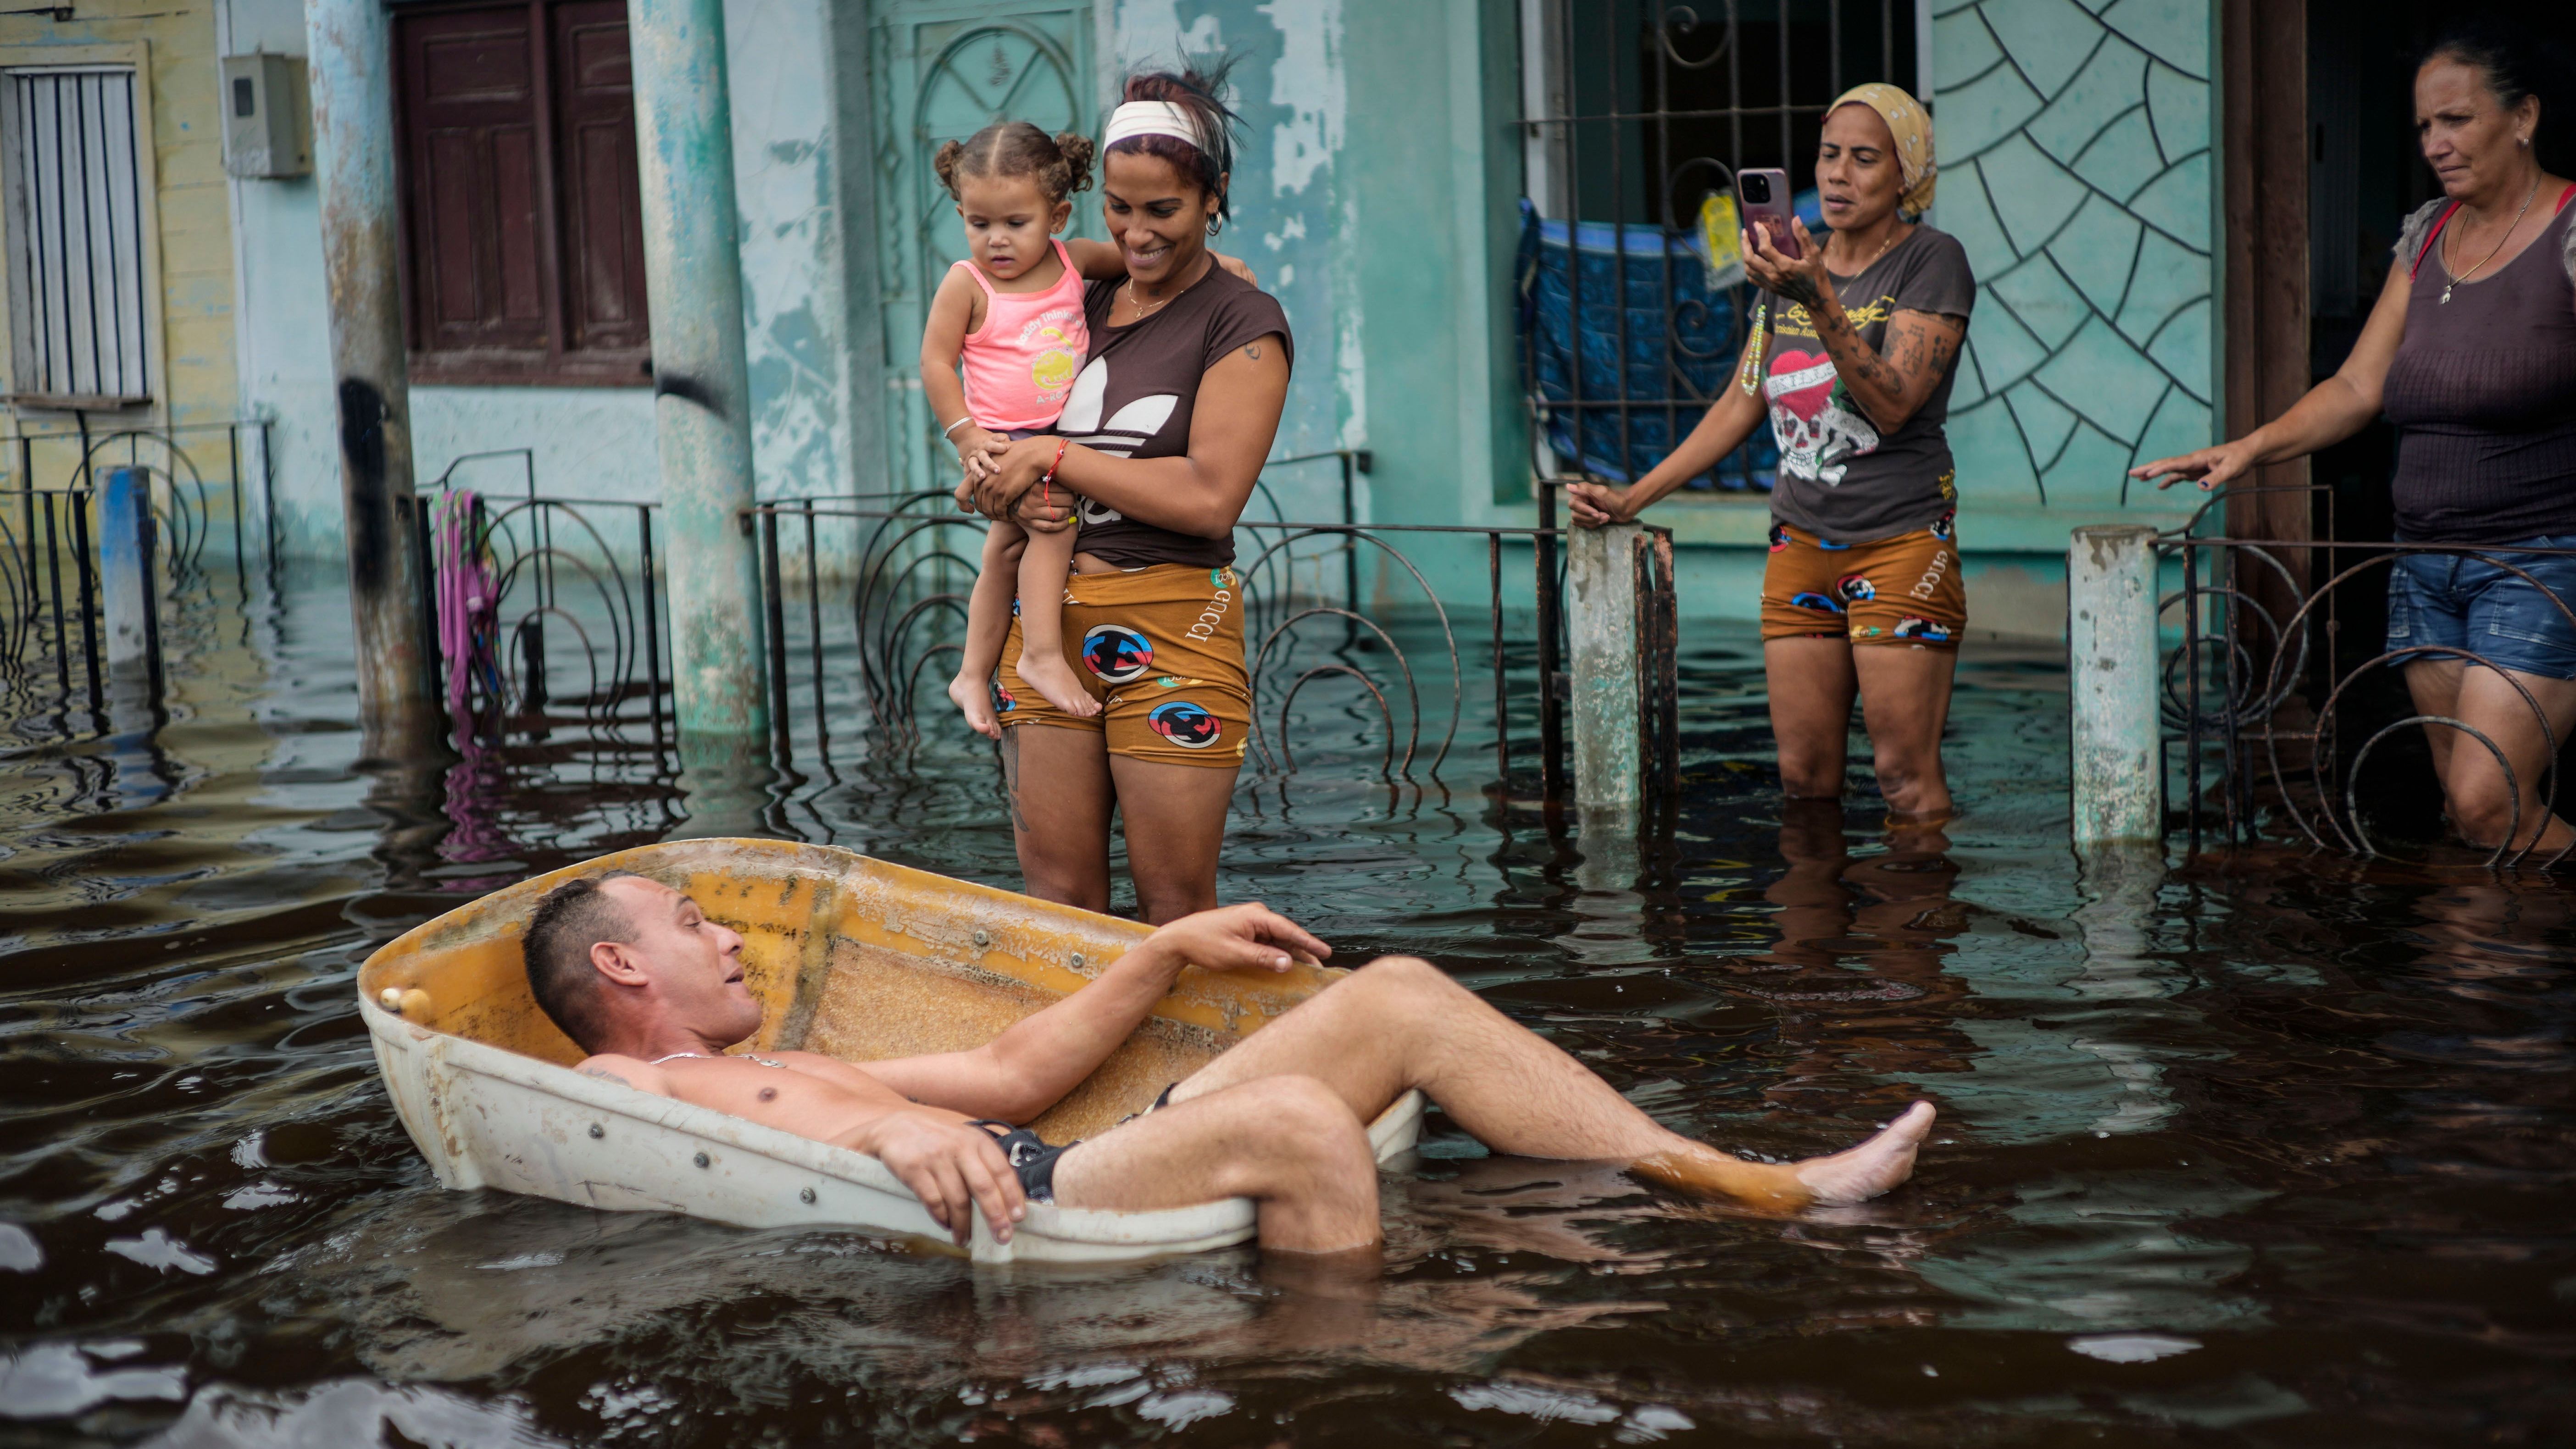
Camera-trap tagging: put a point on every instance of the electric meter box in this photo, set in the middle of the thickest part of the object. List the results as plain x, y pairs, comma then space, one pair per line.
264, 131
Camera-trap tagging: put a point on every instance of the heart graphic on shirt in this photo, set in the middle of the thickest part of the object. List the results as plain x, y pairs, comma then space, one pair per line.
1802, 382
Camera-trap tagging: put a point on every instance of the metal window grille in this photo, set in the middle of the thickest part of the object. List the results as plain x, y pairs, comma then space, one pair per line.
74, 219
1636, 114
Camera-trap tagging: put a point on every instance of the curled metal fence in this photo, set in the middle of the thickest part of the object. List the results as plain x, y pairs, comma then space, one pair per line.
211, 491
213, 486
866, 599
2281, 689
549, 616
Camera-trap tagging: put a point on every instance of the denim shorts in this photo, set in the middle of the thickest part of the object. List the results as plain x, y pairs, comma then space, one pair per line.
2473, 603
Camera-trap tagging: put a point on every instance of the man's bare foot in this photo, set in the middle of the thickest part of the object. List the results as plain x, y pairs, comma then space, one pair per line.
975, 701
1856, 1175
1863, 1172
1056, 680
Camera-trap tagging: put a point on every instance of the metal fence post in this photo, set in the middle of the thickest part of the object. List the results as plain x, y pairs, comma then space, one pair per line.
1603, 629
130, 593
2113, 673
701, 373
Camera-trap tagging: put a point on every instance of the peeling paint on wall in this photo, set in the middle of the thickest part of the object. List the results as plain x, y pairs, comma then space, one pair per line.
1291, 220
1307, 81
588, 441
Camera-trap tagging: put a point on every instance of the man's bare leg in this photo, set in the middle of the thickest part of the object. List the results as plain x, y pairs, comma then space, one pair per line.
1401, 1023
1289, 1143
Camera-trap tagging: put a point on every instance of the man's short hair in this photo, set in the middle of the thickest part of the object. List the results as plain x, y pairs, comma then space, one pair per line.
568, 921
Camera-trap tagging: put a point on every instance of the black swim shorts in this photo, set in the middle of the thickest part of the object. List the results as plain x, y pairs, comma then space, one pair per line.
1031, 1156
1034, 1158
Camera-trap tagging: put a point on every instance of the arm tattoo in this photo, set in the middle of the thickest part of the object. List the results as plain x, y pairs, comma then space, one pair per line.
1800, 290
605, 1075
1252, 350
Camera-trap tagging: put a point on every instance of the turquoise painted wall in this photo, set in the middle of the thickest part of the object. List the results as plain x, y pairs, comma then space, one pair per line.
2077, 168
1374, 193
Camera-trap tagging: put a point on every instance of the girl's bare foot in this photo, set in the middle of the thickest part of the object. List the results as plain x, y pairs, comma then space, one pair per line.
1056, 680
975, 701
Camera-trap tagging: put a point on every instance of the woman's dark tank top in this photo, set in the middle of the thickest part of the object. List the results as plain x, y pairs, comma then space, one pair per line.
2483, 393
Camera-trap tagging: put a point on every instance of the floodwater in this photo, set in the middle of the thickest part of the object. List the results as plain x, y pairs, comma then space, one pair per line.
2270, 1149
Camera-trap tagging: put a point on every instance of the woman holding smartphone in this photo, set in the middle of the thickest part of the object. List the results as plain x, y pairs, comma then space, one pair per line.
1851, 357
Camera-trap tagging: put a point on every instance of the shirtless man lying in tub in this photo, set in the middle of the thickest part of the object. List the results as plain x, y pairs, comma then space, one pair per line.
635, 972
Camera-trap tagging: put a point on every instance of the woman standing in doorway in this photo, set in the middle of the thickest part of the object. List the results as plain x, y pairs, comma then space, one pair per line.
1862, 595
2471, 351
1158, 447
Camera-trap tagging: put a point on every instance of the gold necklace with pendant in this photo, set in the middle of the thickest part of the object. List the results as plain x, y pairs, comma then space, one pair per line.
1142, 311
2491, 254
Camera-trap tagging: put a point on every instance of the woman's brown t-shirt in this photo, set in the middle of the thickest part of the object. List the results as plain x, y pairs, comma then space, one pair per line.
1136, 396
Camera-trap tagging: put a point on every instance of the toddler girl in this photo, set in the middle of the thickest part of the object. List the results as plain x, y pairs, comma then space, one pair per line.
1012, 314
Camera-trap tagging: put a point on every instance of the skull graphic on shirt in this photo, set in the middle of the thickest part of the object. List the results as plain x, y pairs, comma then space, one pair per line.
1120, 436
1818, 435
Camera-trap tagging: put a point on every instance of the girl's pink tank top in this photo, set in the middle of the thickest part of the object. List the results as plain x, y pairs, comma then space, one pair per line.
1021, 363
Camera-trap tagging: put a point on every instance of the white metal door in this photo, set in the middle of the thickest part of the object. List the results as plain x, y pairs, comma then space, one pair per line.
74, 224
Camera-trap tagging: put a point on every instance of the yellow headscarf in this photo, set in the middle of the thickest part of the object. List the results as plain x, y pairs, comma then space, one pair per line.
1911, 125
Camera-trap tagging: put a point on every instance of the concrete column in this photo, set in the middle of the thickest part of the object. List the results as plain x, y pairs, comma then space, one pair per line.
1607, 641
2114, 673
129, 577
350, 50
701, 378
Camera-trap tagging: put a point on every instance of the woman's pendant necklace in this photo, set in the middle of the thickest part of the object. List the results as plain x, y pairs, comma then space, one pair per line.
2491, 252
1142, 311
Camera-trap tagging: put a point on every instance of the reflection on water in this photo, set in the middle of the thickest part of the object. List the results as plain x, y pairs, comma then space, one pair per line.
2266, 1148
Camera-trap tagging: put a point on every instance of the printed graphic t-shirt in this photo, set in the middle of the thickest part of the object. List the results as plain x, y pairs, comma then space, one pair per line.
1137, 395
1838, 478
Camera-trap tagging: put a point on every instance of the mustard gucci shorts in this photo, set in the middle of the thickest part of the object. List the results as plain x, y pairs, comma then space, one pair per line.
1161, 648
1901, 590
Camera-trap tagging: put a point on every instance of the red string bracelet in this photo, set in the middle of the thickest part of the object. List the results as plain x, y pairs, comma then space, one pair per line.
1046, 489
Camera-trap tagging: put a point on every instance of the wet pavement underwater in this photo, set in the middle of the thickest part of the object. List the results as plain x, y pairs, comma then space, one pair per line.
2272, 1148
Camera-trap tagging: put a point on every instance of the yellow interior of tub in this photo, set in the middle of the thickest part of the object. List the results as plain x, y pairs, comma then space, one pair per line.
851, 957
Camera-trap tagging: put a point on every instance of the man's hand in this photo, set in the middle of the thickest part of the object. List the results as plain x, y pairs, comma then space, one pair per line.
1237, 265
1595, 504
1249, 937
953, 1168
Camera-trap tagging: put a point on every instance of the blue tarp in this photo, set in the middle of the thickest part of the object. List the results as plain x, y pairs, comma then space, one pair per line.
1681, 347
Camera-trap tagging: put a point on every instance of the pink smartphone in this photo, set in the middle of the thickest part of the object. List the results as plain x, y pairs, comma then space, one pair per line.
1762, 197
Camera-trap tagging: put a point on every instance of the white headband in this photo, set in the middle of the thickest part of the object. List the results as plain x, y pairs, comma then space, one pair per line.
1150, 118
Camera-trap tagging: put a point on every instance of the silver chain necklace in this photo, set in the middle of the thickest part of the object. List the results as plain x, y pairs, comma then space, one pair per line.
704, 1057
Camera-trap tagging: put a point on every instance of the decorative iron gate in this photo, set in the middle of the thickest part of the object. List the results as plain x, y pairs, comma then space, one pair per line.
1636, 117
2287, 713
